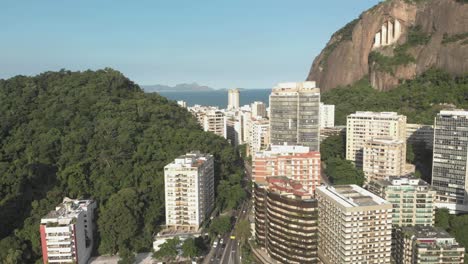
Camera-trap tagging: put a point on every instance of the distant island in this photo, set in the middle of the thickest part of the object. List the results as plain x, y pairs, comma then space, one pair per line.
183, 87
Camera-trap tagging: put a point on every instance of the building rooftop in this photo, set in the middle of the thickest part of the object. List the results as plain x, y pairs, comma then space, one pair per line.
352, 195
386, 141
284, 185
425, 232
374, 114
68, 209
407, 181
285, 150
190, 160
288, 87
453, 113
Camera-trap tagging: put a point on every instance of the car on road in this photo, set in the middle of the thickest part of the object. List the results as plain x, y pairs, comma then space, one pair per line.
221, 241
215, 244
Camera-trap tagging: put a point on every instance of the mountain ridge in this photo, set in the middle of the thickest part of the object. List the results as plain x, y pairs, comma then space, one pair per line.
182, 87
434, 34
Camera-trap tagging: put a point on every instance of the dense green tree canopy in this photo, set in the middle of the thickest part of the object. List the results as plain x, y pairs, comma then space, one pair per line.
220, 225
168, 250
336, 167
418, 99
93, 134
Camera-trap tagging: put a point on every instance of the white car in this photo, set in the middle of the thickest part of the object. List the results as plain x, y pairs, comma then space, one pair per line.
215, 244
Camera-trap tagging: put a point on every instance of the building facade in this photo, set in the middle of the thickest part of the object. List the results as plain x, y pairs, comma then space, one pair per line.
67, 232
418, 134
383, 159
327, 115
233, 99
259, 135
355, 226
211, 119
234, 129
450, 162
189, 189
413, 200
286, 221
258, 110
427, 245
364, 126
295, 162
294, 115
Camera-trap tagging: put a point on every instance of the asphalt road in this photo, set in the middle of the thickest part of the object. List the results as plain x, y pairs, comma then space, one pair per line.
228, 252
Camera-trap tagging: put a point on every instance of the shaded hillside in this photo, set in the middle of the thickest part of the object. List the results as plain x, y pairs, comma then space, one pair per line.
93, 134
434, 34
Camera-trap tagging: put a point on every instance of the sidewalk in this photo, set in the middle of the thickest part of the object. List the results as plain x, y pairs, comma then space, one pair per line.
262, 256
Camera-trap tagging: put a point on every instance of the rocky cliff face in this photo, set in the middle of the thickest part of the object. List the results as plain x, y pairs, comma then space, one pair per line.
434, 33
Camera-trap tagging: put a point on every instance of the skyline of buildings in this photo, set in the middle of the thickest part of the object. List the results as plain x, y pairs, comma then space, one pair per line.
287, 175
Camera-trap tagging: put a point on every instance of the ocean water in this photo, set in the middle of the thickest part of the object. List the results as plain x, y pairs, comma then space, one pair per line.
218, 98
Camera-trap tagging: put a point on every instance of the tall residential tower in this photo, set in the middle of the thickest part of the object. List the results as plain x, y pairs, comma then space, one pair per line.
233, 99
294, 114
450, 160
355, 226
189, 188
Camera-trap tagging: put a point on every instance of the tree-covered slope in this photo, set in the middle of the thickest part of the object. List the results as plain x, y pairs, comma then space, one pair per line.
419, 99
93, 134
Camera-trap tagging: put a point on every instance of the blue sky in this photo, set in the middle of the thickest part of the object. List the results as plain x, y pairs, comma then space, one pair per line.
223, 44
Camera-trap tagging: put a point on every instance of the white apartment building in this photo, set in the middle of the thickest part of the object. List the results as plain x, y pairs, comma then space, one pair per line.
364, 126
233, 99
355, 226
67, 232
211, 119
182, 103
259, 135
189, 189
327, 115
383, 159
450, 160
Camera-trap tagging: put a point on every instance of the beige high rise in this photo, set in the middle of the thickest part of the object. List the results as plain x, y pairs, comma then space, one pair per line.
384, 158
233, 99
364, 126
294, 115
355, 226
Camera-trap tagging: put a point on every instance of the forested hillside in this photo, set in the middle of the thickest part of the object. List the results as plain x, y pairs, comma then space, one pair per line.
94, 134
419, 99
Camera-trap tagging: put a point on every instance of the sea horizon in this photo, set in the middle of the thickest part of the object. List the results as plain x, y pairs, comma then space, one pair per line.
217, 98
